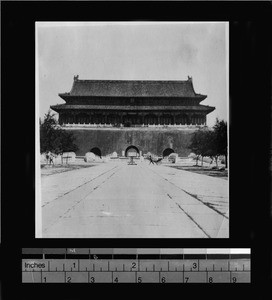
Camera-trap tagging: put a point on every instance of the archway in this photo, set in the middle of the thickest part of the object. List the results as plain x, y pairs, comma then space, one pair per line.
167, 152
96, 151
131, 149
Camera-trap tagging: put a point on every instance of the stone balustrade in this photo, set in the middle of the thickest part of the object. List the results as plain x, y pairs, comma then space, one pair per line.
75, 125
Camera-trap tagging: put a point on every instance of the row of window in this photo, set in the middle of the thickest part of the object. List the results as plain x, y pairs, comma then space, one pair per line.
131, 119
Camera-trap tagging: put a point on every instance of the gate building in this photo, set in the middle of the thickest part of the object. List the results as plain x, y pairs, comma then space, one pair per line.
109, 116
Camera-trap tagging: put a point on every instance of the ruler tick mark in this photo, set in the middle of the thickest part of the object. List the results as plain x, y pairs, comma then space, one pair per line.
157, 266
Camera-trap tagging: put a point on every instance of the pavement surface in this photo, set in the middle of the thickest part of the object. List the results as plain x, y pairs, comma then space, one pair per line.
117, 200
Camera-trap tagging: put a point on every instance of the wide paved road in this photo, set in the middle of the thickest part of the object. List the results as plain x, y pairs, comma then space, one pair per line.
116, 200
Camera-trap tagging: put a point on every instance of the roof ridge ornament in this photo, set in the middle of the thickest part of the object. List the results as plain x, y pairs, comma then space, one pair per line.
190, 78
76, 78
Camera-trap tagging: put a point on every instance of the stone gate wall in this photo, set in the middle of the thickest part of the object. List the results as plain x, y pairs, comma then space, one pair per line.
146, 140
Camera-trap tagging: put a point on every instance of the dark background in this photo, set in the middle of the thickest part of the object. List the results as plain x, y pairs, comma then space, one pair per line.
250, 112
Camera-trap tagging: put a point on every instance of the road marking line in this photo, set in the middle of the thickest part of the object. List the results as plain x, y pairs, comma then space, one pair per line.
194, 196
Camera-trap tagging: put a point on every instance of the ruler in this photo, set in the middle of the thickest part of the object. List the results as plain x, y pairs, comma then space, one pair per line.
127, 265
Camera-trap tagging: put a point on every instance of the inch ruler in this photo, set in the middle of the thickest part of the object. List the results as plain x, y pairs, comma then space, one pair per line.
127, 265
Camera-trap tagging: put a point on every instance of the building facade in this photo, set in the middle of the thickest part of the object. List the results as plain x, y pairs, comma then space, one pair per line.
115, 113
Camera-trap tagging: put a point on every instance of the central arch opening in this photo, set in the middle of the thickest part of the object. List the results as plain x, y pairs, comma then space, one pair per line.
167, 152
131, 149
96, 151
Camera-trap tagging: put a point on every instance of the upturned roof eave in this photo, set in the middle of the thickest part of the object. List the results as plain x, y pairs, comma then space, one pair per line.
64, 95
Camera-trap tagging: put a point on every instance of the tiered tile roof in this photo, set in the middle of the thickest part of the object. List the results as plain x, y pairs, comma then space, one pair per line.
132, 88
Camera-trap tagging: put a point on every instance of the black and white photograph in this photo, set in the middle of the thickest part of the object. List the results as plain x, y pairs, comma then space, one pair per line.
132, 130
135, 146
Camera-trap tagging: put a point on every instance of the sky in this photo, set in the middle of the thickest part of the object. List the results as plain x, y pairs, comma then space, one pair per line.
133, 51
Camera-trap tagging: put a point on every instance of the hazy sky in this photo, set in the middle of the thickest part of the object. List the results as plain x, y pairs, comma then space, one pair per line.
133, 50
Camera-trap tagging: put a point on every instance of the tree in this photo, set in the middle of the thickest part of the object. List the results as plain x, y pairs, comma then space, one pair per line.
212, 143
199, 143
211, 146
53, 138
221, 139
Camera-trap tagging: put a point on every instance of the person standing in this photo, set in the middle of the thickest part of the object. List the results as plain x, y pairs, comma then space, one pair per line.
151, 160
